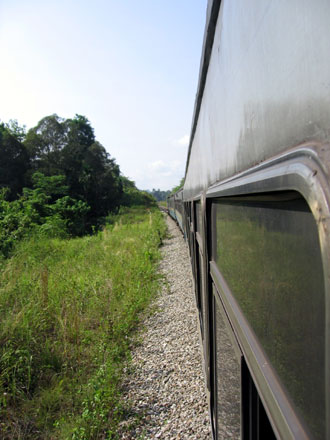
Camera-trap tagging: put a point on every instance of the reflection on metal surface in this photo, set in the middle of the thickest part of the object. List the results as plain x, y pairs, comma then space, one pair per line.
269, 254
228, 381
266, 90
201, 293
199, 216
179, 208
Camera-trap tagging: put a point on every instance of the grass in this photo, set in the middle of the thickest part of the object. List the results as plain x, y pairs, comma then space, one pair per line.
68, 309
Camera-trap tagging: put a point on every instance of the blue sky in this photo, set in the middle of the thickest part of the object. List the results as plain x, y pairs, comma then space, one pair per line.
131, 67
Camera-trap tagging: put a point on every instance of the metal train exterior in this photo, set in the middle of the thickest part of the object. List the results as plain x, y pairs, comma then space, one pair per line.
255, 211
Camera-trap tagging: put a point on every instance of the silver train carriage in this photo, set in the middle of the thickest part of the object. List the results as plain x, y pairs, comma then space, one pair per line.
176, 208
255, 209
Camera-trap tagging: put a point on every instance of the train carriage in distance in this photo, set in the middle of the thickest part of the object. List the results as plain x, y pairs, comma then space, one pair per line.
255, 210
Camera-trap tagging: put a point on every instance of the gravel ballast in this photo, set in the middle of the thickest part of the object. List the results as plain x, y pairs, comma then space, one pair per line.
165, 386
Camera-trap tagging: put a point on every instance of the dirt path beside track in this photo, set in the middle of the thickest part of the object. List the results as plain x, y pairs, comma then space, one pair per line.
165, 388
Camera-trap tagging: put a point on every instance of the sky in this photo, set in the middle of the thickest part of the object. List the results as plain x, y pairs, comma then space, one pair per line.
130, 66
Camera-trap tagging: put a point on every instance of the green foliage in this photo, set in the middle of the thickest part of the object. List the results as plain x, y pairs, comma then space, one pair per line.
176, 188
159, 195
16, 130
133, 196
60, 178
53, 186
68, 147
67, 312
13, 162
44, 209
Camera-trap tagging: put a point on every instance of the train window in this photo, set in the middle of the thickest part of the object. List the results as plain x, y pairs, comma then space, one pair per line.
269, 254
198, 216
202, 299
227, 378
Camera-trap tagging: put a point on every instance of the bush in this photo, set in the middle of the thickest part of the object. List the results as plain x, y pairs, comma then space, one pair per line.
67, 312
45, 210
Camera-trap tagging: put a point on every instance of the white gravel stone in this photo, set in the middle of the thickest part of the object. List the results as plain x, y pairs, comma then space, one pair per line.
165, 388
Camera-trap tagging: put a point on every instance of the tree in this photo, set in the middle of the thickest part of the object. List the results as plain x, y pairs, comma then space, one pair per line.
176, 188
45, 143
100, 181
159, 195
80, 131
16, 130
46, 209
13, 162
68, 147
133, 196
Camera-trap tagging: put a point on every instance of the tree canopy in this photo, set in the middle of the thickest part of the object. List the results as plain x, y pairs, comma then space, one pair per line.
63, 169
14, 162
159, 195
176, 188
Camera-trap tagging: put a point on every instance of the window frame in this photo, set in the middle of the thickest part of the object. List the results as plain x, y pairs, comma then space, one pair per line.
301, 171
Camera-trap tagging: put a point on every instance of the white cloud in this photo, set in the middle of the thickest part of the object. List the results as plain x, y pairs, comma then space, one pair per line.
158, 165
159, 174
161, 168
183, 141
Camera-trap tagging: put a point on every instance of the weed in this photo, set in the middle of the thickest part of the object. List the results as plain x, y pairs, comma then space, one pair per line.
68, 308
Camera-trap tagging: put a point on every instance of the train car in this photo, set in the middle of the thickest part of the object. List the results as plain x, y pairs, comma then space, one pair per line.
179, 209
256, 213
171, 206
176, 208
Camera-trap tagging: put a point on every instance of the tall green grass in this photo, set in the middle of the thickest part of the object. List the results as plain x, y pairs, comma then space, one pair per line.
67, 311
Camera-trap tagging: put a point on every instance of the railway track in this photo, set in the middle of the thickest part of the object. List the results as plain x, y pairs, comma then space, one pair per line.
164, 392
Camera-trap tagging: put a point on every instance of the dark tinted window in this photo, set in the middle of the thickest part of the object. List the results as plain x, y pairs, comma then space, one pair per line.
201, 293
228, 380
198, 216
269, 254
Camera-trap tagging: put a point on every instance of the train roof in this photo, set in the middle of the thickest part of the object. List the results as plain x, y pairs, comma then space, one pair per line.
212, 13
263, 89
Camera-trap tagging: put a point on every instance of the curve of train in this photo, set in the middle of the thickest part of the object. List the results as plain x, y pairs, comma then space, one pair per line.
255, 210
